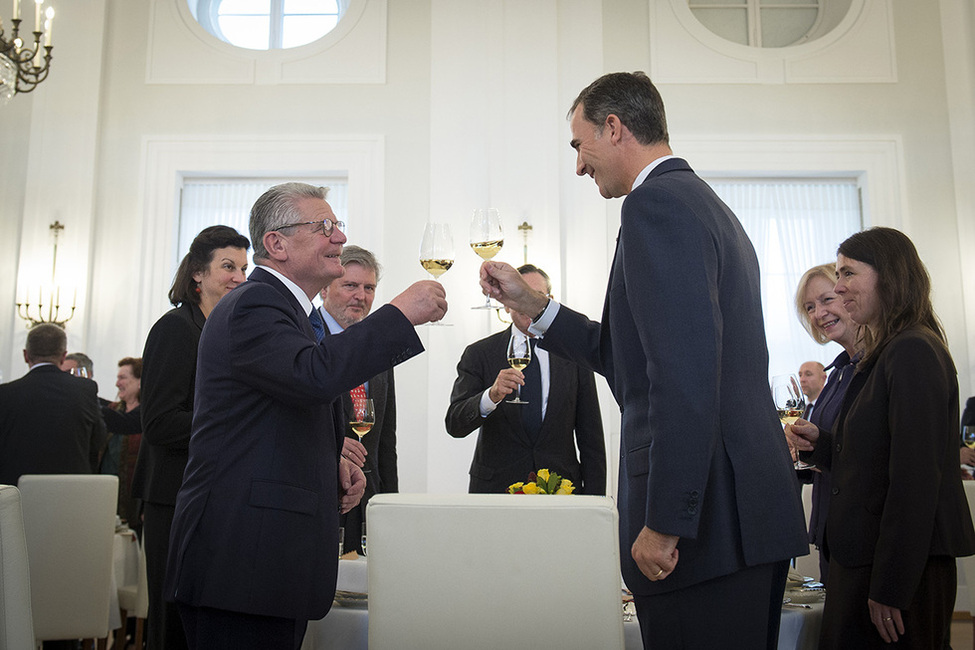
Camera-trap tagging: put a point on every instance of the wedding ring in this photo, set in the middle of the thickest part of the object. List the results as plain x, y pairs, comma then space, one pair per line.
888, 618
658, 573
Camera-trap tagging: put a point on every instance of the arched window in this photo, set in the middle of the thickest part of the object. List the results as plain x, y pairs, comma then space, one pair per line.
769, 23
268, 24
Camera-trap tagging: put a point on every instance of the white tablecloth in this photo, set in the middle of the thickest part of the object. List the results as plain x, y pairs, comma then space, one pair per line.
347, 628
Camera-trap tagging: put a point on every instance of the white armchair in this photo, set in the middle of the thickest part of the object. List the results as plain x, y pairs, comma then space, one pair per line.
16, 627
493, 571
69, 520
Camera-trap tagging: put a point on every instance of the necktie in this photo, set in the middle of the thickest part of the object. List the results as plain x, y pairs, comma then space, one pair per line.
359, 392
317, 324
531, 392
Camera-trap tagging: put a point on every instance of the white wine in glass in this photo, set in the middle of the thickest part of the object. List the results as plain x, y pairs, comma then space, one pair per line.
487, 238
437, 249
437, 252
519, 356
790, 404
363, 416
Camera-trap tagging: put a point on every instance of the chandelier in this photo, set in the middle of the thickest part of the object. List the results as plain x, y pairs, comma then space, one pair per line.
48, 307
22, 68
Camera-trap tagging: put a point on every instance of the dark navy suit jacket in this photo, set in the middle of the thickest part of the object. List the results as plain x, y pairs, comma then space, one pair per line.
682, 344
256, 521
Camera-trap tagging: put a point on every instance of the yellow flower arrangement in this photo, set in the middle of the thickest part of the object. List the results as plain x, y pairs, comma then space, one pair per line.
543, 482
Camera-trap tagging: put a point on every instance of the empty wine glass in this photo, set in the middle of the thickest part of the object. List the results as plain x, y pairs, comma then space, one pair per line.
79, 371
519, 356
487, 238
790, 404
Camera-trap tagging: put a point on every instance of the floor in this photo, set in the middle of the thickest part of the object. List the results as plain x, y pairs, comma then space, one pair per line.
961, 631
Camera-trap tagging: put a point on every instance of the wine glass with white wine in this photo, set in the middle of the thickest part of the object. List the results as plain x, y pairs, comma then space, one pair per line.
487, 238
519, 356
790, 404
437, 252
363, 416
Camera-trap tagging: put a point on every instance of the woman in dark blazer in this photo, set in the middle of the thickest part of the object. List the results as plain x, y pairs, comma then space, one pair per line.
214, 265
822, 314
898, 517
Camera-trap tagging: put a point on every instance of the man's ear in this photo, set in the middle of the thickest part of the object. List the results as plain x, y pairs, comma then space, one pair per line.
615, 128
276, 245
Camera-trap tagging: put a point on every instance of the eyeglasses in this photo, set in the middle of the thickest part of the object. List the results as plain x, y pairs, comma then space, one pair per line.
327, 225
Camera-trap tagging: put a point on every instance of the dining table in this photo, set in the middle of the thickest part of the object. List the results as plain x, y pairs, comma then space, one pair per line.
346, 627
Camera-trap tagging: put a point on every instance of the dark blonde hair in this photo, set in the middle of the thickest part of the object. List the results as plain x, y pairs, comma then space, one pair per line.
903, 286
827, 272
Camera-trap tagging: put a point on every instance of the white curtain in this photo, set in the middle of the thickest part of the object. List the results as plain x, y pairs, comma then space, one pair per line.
794, 225
227, 201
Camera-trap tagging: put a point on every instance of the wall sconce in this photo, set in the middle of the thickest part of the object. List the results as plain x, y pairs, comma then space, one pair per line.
48, 308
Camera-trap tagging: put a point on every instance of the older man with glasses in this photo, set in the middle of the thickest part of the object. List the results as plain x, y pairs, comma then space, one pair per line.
252, 549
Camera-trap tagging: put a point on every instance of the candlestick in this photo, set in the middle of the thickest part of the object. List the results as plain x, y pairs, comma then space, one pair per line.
37, 15
16, 9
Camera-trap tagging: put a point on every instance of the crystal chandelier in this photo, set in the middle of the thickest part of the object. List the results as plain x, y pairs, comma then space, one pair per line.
22, 68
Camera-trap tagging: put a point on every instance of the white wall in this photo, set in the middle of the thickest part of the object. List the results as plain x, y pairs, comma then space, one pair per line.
471, 113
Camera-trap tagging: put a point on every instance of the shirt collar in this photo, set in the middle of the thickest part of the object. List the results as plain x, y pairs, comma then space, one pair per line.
303, 300
330, 322
642, 176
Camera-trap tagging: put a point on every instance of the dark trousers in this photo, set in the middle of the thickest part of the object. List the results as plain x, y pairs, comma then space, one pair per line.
218, 629
927, 620
164, 629
740, 610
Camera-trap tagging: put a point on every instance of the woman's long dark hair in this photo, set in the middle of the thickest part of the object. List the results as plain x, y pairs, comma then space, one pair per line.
199, 258
903, 286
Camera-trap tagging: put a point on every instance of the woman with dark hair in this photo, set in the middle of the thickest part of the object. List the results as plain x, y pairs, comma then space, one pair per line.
822, 314
213, 267
898, 516
123, 419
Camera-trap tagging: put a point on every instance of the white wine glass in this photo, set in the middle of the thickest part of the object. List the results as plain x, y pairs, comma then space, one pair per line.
437, 249
487, 238
968, 436
363, 416
437, 252
519, 356
79, 371
790, 404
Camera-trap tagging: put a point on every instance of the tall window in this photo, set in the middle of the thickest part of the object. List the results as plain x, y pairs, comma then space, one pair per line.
794, 224
227, 201
268, 24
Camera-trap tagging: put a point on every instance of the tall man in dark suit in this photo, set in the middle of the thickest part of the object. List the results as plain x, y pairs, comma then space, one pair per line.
345, 302
512, 443
252, 552
709, 505
50, 422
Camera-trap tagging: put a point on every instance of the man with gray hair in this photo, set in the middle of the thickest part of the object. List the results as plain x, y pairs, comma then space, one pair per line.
345, 302
50, 422
81, 363
255, 531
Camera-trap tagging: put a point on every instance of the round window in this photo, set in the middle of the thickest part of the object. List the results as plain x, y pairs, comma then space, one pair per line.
769, 23
268, 24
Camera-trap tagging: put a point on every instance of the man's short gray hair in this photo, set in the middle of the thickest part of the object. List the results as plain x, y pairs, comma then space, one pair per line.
277, 208
83, 361
362, 257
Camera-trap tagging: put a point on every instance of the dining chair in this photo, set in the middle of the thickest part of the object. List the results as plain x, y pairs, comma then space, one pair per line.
69, 521
493, 571
968, 563
16, 626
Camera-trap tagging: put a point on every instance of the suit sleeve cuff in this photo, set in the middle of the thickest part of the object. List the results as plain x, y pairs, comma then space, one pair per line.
540, 326
487, 406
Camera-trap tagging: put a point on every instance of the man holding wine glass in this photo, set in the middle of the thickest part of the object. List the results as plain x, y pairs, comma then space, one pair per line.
520, 436
345, 302
256, 523
710, 510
